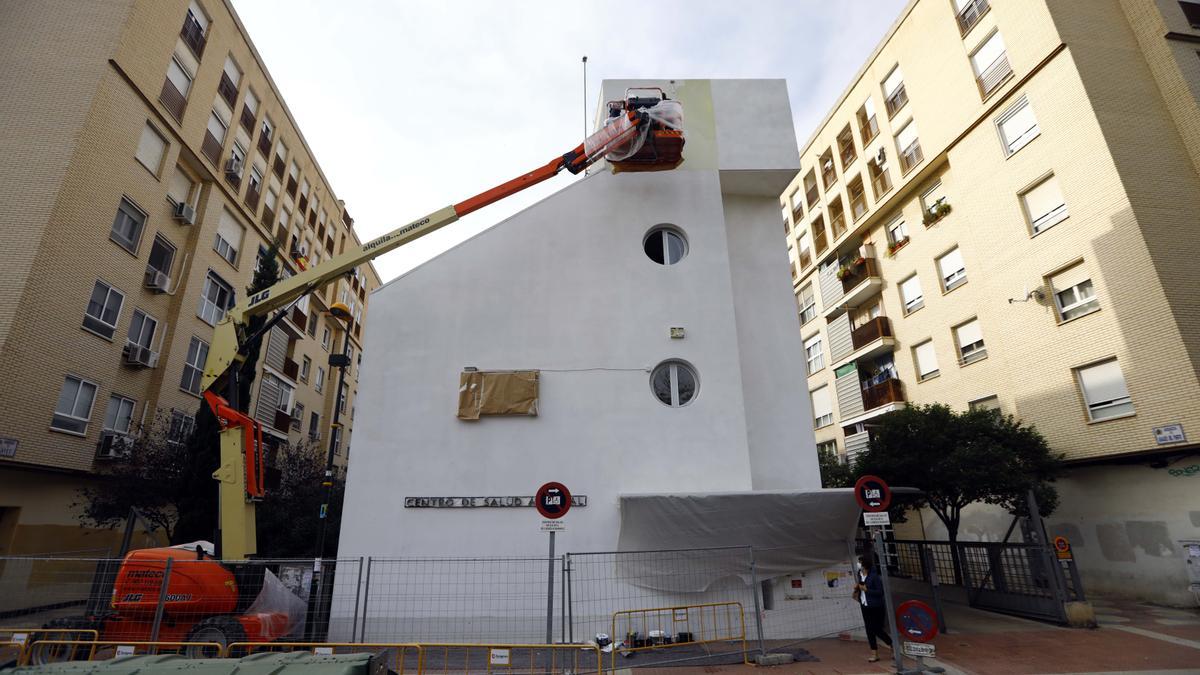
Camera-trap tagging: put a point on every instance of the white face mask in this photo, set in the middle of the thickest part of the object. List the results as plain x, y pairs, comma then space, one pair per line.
859, 566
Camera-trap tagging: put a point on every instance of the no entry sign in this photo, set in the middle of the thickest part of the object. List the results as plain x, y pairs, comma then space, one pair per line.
917, 621
872, 494
552, 500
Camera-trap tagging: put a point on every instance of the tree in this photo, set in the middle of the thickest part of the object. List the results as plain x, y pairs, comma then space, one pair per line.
287, 519
957, 459
834, 472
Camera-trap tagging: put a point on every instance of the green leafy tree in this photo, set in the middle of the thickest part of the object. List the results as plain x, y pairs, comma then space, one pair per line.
957, 459
834, 472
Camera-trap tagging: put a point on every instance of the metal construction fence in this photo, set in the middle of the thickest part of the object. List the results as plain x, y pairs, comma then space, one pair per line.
701, 605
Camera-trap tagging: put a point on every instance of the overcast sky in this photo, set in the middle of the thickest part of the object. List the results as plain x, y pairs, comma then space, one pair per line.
411, 106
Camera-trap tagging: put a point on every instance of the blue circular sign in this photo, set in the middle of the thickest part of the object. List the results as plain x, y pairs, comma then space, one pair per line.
917, 621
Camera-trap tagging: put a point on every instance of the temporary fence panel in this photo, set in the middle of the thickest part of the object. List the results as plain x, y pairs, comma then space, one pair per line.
458, 600
400, 658
16, 642
57, 651
807, 605
41, 587
510, 659
680, 632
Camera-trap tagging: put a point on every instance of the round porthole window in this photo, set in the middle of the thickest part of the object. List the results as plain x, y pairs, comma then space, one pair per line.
674, 383
665, 245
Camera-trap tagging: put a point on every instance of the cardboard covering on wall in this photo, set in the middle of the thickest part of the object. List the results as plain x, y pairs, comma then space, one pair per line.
497, 392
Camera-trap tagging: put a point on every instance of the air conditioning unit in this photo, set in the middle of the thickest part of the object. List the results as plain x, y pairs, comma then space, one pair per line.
828, 165
137, 355
234, 167
185, 213
157, 281
113, 446
881, 156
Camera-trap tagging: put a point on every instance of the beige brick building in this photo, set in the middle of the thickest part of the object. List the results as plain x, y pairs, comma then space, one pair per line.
1002, 210
149, 160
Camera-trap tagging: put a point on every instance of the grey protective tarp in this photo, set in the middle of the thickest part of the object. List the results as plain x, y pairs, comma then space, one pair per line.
790, 531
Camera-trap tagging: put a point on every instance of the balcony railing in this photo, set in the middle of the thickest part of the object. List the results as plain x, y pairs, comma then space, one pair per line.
291, 186
858, 203
811, 195
172, 100
283, 420
859, 273
264, 144
876, 395
848, 155
193, 36
247, 119
911, 156
881, 183
869, 130
828, 175
268, 217
227, 89
252, 196
278, 167
291, 368
820, 241
970, 15
897, 100
838, 224
995, 75
872, 330
299, 318
805, 259
303, 204
211, 148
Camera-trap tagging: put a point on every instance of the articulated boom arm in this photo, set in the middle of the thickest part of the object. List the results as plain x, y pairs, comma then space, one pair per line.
230, 335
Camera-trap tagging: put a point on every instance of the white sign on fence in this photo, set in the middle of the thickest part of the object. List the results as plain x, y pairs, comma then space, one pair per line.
919, 649
125, 650
879, 519
323, 650
498, 657
19, 638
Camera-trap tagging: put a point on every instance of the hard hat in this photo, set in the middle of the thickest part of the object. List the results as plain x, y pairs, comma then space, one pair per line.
604, 642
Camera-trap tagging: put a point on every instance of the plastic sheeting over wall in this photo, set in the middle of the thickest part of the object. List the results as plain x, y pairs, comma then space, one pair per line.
509, 392
790, 532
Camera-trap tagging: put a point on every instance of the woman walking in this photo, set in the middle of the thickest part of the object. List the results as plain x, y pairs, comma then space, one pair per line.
869, 591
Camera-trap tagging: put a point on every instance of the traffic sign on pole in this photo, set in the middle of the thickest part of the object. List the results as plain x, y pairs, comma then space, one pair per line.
917, 621
552, 500
1062, 548
872, 493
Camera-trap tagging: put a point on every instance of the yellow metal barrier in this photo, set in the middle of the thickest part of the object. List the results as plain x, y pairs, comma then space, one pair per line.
51, 651
509, 659
400, 656
21, 640
679, 626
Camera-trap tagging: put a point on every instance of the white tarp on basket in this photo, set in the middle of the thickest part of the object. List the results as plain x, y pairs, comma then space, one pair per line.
790, 531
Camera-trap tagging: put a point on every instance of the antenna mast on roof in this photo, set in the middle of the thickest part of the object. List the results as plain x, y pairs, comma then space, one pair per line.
585, 103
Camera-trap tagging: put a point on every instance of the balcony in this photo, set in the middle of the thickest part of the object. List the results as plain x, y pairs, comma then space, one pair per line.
268, 217
859, 281
298, 317
881, 182
291, 369
211, 148
292, 185
193, 36
172, 100
873, 330
252, 196
994, 75
227, 89
858, 199
896, 101
303, 204
868, 129
837, 222
278, 167
811, 195
247, 120
971, 14
805, 259
820, 239
283, 421
883, 393
911, 156
828, 174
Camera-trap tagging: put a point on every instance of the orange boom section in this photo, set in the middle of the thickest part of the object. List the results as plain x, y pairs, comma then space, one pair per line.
196, 587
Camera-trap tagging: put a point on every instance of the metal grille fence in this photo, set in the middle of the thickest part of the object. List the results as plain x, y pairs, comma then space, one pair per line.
705, 604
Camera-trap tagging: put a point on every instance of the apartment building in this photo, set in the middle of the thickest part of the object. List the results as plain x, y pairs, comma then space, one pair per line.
1001, 212
150, 161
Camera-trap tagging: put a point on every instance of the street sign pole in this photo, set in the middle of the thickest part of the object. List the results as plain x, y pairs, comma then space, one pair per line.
550, 593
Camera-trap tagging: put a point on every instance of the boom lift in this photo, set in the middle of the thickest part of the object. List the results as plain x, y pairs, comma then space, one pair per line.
207, 600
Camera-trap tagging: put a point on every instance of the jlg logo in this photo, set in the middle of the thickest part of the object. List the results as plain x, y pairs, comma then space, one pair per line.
259, 297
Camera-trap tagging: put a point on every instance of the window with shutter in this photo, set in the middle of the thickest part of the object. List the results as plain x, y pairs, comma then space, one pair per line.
1044, 205
822, 405
151, 148
911, 295
1074, 295
74, 407
808, 304
969, 337
1104, 390
953, 271
229, 237
926, 360
1017, 126
813, 354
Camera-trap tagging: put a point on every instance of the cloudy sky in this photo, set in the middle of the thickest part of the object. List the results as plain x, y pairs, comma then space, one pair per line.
411, 106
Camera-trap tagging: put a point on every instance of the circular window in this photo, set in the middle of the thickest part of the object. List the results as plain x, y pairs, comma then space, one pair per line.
674, 383
665, 245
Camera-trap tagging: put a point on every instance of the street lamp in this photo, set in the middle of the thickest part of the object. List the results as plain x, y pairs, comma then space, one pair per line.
341, 312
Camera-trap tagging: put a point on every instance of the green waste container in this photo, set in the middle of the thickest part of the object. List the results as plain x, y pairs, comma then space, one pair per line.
265, 663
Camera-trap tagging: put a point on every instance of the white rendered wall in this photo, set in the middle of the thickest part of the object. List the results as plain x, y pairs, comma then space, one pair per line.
564, 287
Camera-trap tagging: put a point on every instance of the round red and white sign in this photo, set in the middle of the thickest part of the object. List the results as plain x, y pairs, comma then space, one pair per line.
552, 500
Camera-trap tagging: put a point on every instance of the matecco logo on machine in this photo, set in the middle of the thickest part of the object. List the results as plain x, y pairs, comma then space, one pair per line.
372, 245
